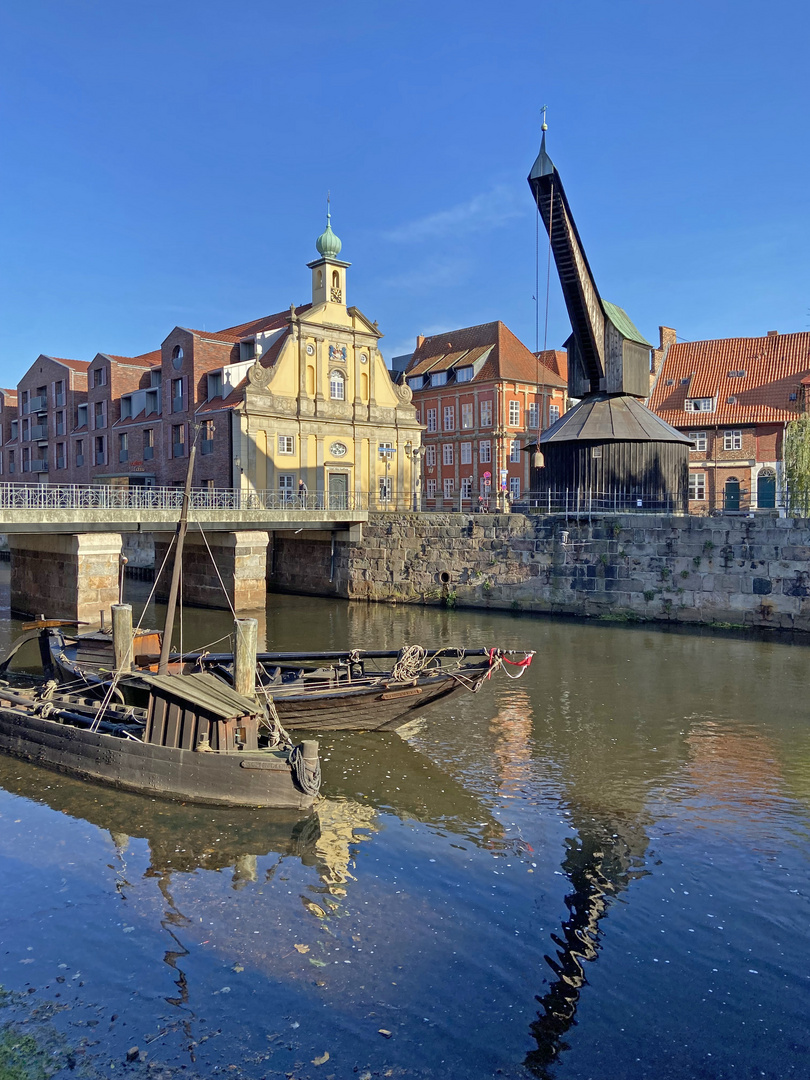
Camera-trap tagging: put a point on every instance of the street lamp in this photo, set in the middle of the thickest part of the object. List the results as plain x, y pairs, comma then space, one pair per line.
415, 454
386, 454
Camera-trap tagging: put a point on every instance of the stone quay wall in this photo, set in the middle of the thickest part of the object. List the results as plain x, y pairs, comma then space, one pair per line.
738, 571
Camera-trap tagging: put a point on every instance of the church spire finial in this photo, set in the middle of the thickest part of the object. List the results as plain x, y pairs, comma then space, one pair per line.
544, 110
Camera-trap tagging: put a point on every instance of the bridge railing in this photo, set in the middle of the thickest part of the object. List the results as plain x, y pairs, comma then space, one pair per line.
109, 497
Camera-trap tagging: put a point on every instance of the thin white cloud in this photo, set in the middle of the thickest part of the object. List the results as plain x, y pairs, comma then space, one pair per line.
489, 210
434, 274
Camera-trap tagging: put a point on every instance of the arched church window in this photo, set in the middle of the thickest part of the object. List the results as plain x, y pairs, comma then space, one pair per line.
337, 386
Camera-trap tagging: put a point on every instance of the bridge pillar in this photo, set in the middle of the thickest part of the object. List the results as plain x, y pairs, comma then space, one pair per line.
241, 558
70, 576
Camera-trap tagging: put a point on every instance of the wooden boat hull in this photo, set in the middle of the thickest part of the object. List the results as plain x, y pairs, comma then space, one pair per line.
255, 779
376, 708
373, 704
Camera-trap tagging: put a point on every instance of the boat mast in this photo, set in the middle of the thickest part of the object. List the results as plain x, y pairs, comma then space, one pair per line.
182, 528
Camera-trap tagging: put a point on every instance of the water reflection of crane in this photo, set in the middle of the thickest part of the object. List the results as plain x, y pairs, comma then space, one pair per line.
600, 861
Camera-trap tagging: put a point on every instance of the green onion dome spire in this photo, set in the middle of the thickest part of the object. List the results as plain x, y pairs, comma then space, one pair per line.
327, 243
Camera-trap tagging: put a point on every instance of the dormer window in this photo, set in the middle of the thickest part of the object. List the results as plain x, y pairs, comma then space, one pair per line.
155, 378
416, 382
126, 408
438, 378
247, 350
706, 404
99, 376
464, 374
214, 385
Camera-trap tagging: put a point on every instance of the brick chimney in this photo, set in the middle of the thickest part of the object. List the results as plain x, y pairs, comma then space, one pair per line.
773, 333
420, 340
667, 337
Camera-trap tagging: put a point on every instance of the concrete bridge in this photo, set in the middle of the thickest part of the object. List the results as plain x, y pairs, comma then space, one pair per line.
66, 540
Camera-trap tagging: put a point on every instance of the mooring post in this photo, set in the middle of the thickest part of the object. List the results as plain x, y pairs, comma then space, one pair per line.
246, 632
122, 636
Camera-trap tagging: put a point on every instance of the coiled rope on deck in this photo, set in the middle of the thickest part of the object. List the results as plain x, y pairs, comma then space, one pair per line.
309, 779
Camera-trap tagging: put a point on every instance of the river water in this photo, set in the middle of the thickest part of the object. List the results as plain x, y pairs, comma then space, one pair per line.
598, 870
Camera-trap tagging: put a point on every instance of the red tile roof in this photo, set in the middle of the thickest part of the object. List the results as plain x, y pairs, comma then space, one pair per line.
75, 365
769, 369
9, 393
147, 360
232, 334
506, 357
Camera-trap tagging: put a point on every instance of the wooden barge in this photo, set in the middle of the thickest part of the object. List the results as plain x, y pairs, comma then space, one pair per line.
197, 741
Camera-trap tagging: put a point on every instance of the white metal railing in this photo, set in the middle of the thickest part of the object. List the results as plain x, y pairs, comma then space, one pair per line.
109, 497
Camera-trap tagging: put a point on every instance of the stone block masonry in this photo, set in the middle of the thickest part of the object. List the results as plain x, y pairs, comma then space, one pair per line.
737, 571
240, 558
65, 577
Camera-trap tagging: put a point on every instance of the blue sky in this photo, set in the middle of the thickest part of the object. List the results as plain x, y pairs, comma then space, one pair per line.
167, 163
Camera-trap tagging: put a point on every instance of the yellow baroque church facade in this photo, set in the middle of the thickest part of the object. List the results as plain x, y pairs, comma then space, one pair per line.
320, 409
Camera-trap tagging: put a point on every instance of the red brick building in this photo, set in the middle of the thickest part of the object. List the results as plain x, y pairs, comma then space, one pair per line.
49, 398
298, 403
481, 395
734, 397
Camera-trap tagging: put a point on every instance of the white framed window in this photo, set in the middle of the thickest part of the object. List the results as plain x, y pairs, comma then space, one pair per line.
439, 378
700, 439
467, 415
466, 453
534, 414
553, 414
430, 489
337, 386
732, 440
286, 444
449, 418
466, 487
485, 451
485, 409
514, 414
697, 486
464, 374
431, 419
514, 488
698, 404
430, 456
447, 454
385, 489
447, 487
514, 451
